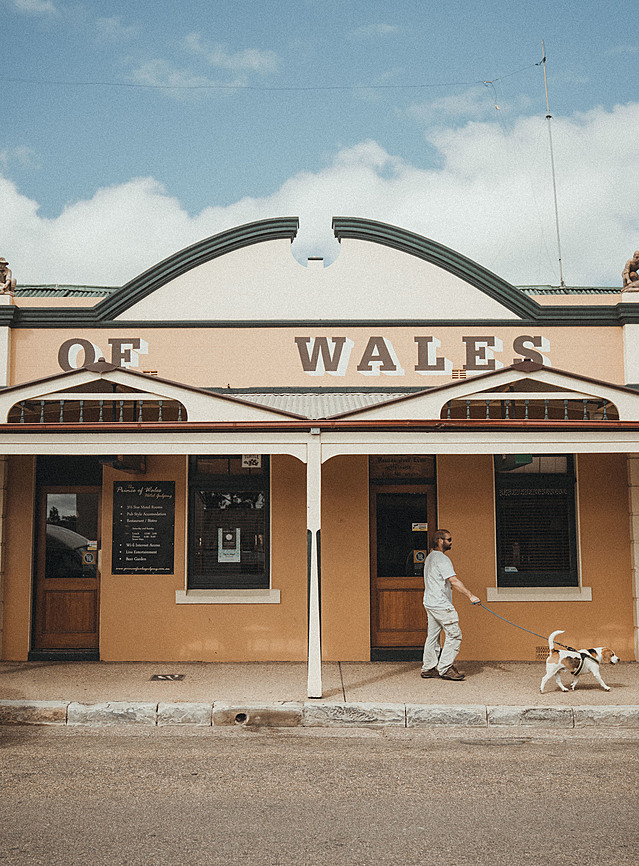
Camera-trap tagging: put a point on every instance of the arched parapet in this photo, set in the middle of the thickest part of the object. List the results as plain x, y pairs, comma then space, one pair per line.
448, 259
191, 257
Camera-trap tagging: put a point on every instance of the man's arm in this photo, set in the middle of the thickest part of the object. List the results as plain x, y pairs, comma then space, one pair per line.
456, 582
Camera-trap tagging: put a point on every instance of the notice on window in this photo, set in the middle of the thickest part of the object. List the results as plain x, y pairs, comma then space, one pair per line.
143, 527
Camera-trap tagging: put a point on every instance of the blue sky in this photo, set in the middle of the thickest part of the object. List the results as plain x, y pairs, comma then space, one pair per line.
132, 129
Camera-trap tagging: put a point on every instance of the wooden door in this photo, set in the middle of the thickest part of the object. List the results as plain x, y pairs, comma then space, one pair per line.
67, 578
401, 518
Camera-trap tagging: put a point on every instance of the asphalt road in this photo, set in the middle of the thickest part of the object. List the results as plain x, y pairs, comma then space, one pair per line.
327, 797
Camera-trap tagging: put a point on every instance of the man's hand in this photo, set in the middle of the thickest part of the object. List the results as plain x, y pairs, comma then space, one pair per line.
475, 600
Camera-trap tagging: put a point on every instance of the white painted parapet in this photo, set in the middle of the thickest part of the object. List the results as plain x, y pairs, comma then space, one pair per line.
5, 344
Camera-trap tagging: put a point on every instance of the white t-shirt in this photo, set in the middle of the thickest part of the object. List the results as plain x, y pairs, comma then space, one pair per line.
438, 591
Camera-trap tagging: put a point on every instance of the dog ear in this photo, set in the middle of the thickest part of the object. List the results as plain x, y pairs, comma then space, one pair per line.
606, 654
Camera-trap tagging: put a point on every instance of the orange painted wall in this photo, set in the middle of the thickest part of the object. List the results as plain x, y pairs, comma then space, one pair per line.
141, 621
18, 578
345, 560
466, 508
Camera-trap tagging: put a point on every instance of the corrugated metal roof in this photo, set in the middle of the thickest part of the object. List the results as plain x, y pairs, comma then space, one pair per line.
64, 291
569, 290
55, 290
315, 406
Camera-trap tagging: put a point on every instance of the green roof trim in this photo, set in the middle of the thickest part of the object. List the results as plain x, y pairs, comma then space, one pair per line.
190, 257
437, 254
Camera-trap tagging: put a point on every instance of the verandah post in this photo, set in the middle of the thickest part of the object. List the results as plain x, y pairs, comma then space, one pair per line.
313, 553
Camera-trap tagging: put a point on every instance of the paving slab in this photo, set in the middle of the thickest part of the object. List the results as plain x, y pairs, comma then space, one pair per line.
361, 715
280, 714
112, 713
546, 717
33, 712
467, 715
618, 716
183, 713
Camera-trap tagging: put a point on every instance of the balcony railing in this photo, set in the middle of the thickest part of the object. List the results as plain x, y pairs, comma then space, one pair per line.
96, 410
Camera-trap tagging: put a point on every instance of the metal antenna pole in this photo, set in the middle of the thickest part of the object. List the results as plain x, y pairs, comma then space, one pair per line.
552, 164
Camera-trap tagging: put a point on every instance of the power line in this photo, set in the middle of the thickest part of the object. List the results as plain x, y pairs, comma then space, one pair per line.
251, 87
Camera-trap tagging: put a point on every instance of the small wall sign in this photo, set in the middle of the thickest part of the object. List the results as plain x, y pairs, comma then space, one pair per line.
143, 527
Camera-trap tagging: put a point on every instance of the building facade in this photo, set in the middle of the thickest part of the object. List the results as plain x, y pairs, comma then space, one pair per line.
236, 457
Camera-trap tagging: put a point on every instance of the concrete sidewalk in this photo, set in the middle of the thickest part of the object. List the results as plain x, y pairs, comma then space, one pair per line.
355, 693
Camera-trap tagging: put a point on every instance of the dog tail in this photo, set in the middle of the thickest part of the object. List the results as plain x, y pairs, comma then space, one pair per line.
551, 639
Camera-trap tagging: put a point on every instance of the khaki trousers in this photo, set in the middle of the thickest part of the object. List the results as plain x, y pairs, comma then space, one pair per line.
441, 620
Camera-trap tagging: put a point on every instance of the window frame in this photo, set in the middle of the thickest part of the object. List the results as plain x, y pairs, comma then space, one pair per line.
222, 483
541, 579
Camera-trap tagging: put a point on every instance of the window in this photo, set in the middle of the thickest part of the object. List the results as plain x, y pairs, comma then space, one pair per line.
229, 522
536, 534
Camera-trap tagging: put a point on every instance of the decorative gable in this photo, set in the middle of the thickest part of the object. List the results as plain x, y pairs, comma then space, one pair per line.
522, 392
102, 392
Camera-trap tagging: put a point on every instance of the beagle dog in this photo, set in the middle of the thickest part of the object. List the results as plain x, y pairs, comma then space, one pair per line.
576, 662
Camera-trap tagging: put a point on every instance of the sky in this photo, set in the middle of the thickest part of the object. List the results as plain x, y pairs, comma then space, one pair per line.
133, 129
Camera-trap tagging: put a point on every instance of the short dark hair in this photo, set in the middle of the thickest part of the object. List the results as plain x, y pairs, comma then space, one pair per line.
437, 534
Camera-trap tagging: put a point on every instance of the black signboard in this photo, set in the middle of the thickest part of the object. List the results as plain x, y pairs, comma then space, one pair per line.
143, 527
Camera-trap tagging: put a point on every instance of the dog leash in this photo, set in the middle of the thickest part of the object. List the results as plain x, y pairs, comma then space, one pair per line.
557, 643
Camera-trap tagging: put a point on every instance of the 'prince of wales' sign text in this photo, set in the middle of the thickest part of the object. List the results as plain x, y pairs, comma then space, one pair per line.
321, 355
143, 527
332, 355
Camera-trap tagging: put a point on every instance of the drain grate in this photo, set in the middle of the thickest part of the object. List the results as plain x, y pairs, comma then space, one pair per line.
172, 677
541, 653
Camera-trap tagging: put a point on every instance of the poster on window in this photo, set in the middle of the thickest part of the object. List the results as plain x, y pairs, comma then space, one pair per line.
143, 527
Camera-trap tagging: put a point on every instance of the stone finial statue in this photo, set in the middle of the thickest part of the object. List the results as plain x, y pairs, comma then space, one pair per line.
630, 275
7, 281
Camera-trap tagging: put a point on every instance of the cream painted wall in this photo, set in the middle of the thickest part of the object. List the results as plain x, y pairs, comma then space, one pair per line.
265, 282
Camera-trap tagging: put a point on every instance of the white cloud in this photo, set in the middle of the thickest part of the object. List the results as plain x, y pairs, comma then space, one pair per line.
114, 29
368, 31
35, 7
182, 84
246, 60
490, 198
22, 155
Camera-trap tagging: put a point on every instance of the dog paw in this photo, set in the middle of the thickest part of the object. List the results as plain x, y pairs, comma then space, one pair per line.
607, 688
564, 689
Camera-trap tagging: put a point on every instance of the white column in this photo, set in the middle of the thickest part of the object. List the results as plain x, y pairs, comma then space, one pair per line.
313, 534
633, 501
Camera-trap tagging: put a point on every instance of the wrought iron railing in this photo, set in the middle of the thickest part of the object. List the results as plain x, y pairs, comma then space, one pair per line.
117, 409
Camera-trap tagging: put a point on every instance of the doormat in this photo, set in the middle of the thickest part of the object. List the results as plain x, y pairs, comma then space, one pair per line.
172, 677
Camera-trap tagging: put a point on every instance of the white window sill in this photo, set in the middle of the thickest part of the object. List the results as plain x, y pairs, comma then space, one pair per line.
539, 593
227, 596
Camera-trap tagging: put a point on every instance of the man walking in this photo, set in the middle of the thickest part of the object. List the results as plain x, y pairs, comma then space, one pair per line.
439, 580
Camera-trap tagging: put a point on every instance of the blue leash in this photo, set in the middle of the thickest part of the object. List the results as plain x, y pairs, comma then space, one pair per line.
478, 603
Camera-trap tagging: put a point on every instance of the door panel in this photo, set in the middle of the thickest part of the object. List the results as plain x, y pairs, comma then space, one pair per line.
67, 579
400, 518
